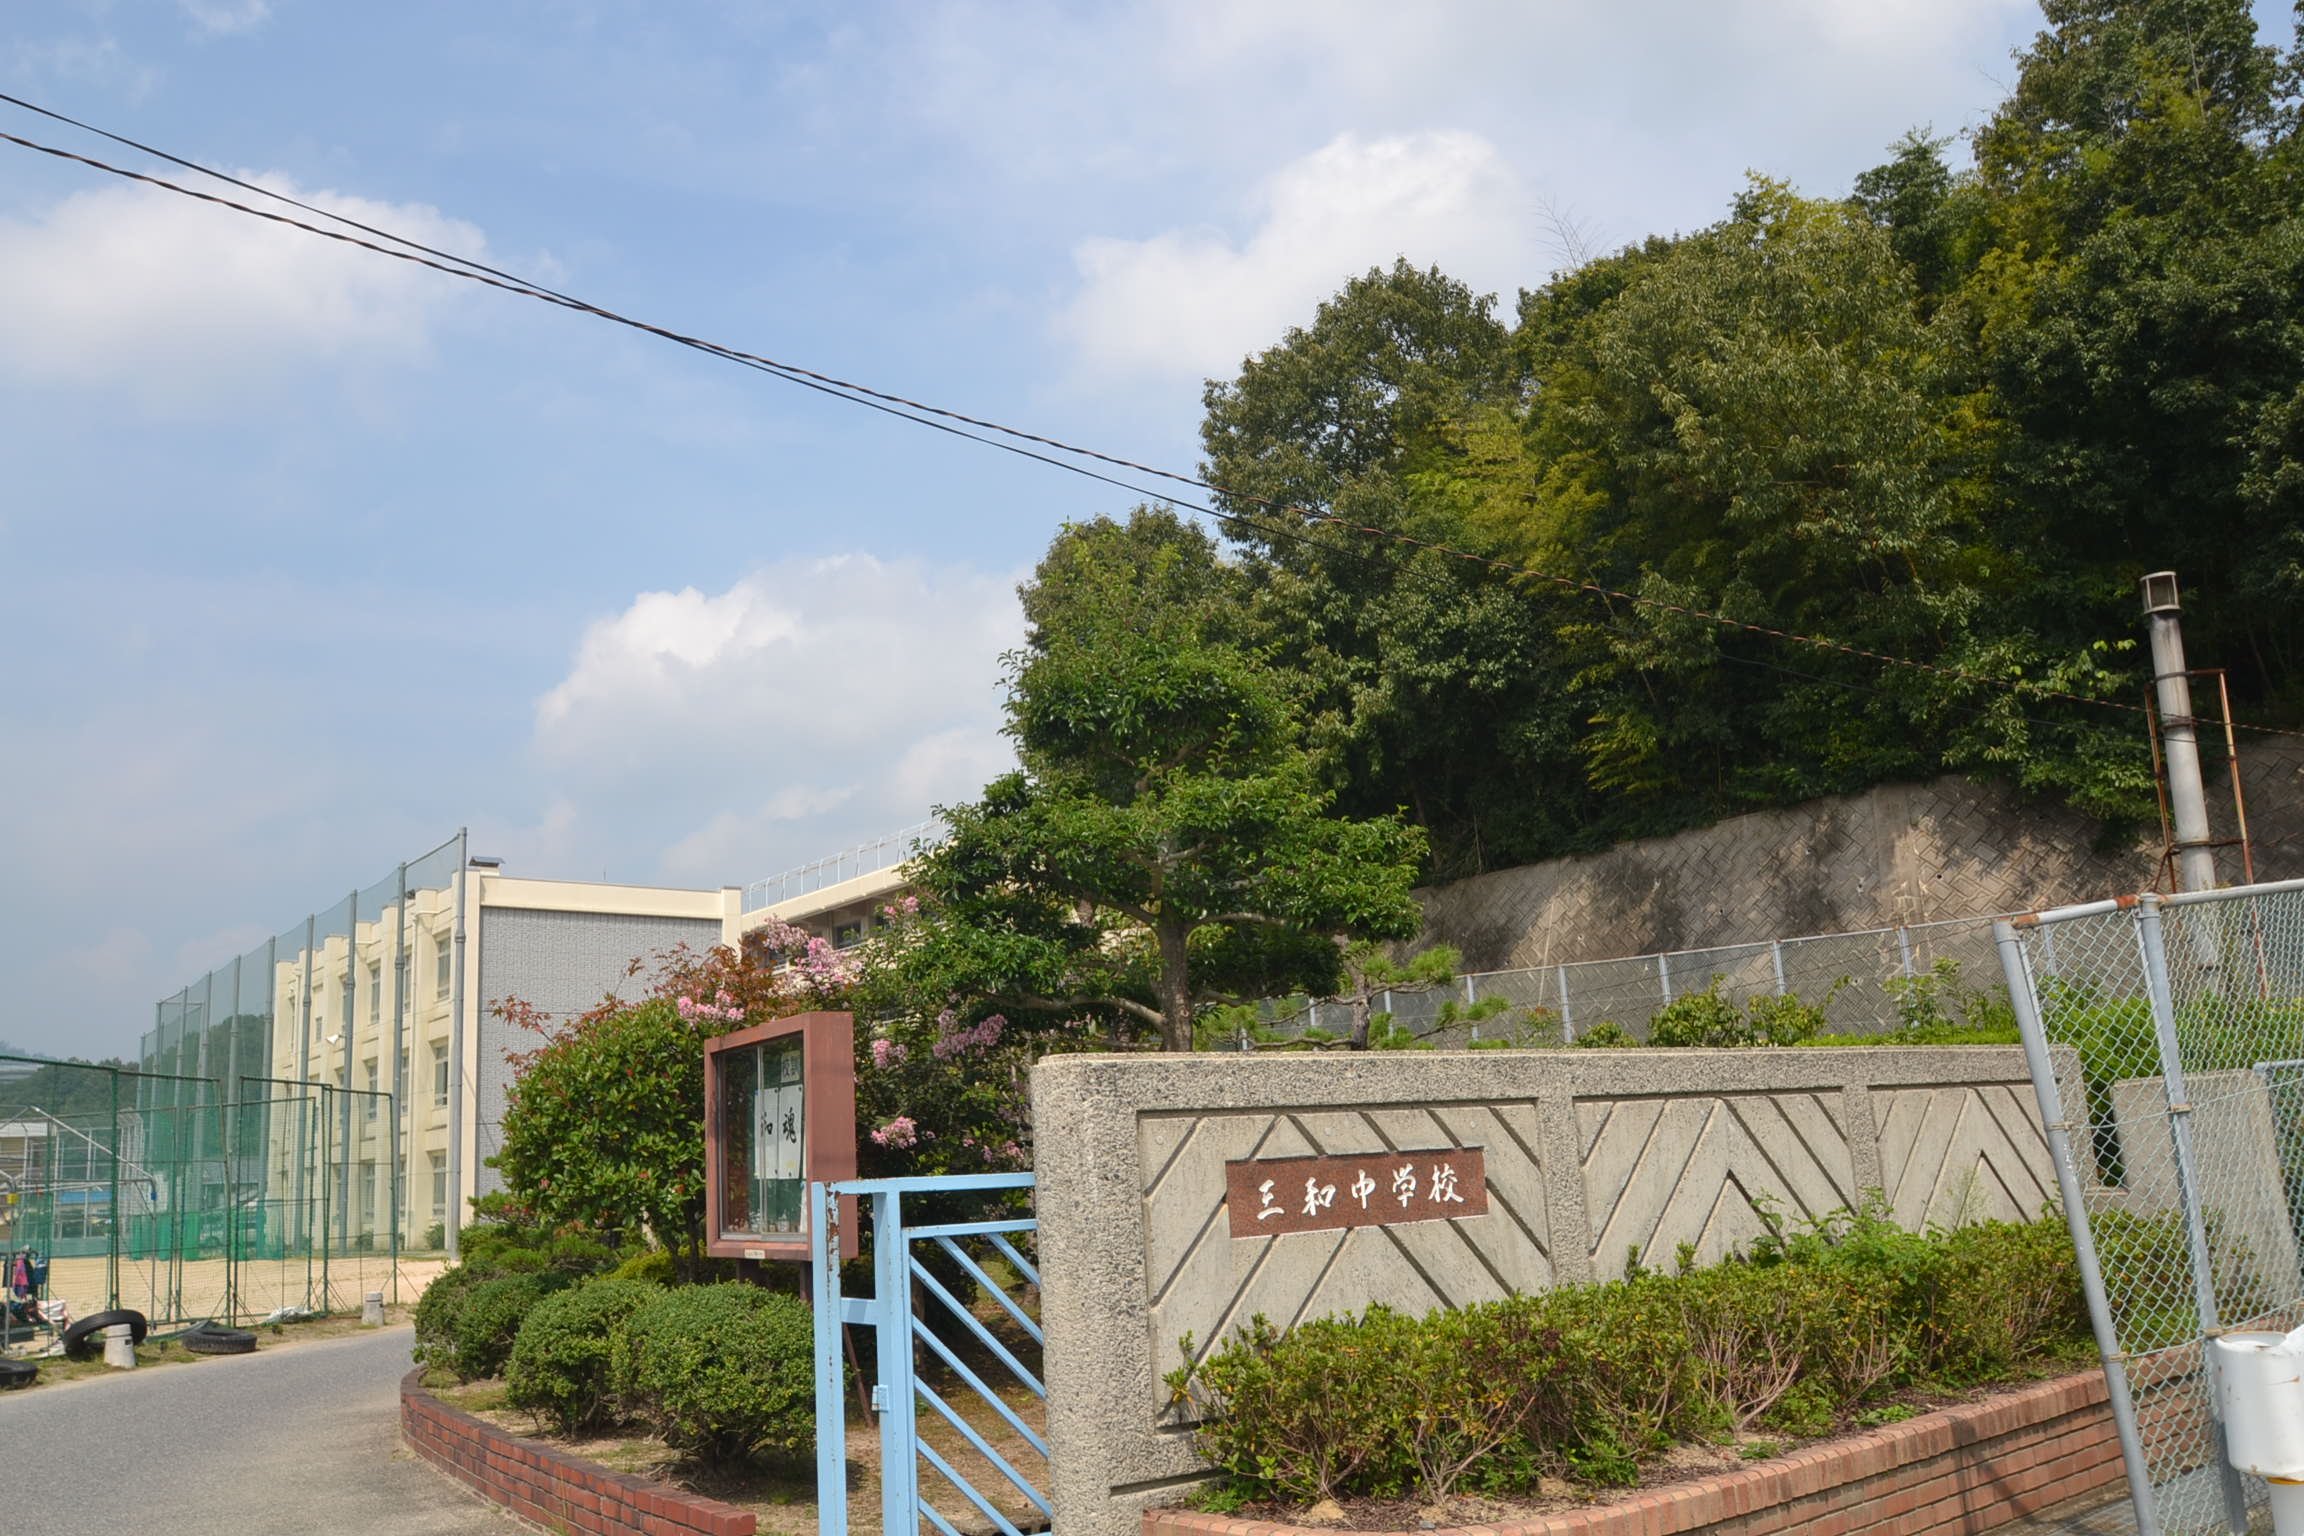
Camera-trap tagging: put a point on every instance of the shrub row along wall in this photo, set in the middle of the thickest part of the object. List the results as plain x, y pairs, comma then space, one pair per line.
1589, 1154
547, 1486
1955, 1473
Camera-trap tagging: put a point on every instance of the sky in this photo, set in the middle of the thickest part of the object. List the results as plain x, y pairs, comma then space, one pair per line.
312, 557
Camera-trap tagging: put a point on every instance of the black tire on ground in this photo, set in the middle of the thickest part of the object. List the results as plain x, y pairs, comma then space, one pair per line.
208, 1339
86, 1336
17, 1373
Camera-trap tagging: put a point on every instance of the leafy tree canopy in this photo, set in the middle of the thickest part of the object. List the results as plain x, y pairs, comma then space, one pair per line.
1166, 841
1952, 418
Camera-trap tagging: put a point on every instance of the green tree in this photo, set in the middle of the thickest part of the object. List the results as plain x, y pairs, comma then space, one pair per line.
604, 1125
1165, 843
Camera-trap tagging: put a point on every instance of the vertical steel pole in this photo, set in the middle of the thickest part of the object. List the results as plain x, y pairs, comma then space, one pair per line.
892, 1301
1664, 979
2150, 941
831, 1400
112, 1249
2179, 737
228, 1114
1904, 949
396, 1186
453, 1219
2025, 1000
351, 1012
1776, 958
303, 1110
1567, 1017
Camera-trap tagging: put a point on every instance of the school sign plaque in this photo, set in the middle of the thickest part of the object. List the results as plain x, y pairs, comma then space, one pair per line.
1263, 1196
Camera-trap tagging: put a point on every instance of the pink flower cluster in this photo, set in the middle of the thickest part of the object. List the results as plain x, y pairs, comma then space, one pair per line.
815, 963
889, 1053
1007, 1151
951, 1042
722, 1008
903, 1131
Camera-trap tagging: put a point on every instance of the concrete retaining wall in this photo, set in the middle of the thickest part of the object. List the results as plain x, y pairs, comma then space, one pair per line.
1902, 853
1592, 1156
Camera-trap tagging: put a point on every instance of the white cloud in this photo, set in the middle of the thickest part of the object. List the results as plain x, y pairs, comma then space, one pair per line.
100, 63
1196, 301
187, 306
228, 15
811, 704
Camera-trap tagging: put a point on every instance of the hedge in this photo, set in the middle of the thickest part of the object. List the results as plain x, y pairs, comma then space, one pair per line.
722, 1372
559, 1365
1587, 1382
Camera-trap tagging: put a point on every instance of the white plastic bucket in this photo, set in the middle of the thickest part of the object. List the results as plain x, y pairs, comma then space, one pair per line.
2261, 1383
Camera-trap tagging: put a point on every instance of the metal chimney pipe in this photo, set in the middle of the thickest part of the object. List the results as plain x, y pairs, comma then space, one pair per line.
2179, 740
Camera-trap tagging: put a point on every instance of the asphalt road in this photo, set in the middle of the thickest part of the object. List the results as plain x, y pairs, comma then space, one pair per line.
292, 1441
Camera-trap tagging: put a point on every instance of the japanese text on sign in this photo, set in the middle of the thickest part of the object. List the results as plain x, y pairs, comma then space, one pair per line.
1373, 1189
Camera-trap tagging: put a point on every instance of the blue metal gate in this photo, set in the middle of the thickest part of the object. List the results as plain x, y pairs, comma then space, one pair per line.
972, 1359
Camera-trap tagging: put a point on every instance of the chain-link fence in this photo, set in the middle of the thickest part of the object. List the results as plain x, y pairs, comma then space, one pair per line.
1863, 983
160, 1193
2167, 1043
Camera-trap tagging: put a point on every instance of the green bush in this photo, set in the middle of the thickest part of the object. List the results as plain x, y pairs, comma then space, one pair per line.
438, 1311
652, 1266
489, 1319
559, 1366
722, 1372
1587, 1382
1700, 1018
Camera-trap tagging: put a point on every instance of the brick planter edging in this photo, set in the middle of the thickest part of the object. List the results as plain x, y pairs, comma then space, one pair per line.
541, 1483
1955, 1472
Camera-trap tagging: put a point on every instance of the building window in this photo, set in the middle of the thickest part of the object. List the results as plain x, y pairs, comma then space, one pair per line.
443, 966
376, 991
369, 1067
439, 1186
367, 1197
439, 1074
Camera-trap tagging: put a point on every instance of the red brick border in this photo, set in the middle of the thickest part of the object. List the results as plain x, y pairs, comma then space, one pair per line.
541, 1483
1957, 1472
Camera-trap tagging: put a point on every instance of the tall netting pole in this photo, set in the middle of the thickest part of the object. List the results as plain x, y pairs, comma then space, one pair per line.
2150, 944
2023, 997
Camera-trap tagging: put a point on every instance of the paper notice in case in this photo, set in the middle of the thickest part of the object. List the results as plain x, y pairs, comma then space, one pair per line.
789, 1105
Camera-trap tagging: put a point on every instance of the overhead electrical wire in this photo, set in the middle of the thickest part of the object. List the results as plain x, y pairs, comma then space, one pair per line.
1010, 439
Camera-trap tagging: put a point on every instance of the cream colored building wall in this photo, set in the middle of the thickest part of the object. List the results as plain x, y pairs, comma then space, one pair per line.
370, 1004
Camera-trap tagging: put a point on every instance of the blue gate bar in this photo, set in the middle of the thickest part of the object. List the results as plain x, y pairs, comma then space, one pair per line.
897, 1394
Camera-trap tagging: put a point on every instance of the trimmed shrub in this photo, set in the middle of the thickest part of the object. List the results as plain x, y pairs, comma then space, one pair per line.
651, 1265
722, 1372
1587, 1382
489, 1319
559, 1365
437, 1312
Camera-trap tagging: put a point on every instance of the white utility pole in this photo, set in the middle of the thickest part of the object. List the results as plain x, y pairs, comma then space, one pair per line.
2179, 740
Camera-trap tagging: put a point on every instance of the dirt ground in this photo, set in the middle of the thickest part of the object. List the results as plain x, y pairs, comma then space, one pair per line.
193, 1289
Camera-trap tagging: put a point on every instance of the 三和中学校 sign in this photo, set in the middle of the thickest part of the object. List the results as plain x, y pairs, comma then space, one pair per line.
1366, 1189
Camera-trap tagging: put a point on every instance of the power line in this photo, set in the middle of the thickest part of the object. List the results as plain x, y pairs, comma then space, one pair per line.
943, 419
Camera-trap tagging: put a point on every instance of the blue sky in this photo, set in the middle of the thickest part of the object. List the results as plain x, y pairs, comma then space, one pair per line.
313, 557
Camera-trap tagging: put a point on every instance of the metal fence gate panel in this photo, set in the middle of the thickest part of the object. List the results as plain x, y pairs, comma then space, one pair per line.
2166, 1041
957, 1385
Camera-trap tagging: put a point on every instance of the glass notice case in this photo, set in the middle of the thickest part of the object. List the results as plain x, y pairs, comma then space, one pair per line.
781, 1111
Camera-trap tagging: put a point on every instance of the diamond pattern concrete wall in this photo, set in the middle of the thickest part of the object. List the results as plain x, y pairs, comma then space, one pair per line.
1595, 1158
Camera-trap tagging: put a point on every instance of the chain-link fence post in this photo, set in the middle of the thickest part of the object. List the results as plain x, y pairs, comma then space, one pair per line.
2024, 999
2150, 943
